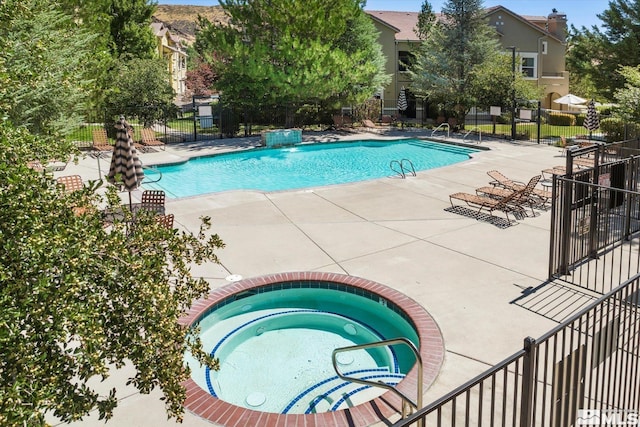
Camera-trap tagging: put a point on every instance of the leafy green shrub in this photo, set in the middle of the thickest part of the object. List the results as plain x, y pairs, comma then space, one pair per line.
562, 119
615, 129
580, 118
230, 123
503, 119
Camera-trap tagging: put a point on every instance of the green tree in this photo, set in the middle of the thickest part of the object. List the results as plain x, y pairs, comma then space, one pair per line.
627, 98
140, 88
494, 82
595, 55
78, 299
283, 53
46, 66
448, 62
426, 21
131, 35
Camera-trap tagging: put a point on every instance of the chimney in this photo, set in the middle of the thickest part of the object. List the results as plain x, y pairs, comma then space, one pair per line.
557, 24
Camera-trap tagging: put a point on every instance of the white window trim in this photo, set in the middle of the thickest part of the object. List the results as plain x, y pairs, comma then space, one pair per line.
534, 56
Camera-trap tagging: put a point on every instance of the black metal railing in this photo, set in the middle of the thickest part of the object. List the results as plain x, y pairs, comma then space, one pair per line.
595, 218
589, 362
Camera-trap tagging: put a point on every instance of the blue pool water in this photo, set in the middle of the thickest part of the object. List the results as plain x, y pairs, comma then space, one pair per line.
302, 166
275, 350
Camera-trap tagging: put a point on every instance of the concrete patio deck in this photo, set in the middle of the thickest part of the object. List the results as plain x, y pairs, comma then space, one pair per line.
468, 274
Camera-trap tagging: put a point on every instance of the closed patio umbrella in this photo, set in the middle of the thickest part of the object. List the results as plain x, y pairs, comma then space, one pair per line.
591, 122
126, 168
402, 100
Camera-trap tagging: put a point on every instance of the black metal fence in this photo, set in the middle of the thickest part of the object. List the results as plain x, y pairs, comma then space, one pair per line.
589, 365
210, 118
595, 220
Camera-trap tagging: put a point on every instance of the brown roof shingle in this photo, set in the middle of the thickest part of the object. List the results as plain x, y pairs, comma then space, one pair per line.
403, 22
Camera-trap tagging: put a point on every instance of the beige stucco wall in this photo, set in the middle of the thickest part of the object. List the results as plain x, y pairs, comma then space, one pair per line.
528, 40
386, 39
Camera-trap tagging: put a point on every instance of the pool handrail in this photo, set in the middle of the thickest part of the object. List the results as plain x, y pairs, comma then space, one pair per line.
152, 169
471, 130
399, 172
441, 125
405, 399
403, 168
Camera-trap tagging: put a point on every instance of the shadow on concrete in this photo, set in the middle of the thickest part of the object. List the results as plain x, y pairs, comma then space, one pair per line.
555, 299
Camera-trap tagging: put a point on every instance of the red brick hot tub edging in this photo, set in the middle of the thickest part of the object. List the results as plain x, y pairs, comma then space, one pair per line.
202, 404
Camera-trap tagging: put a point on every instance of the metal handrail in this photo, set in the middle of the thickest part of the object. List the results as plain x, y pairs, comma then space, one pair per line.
399, 172
416, 405
154, 169
442, 124
404, 169
471, 130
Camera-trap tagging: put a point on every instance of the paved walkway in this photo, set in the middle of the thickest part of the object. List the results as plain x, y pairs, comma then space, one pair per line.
468, 274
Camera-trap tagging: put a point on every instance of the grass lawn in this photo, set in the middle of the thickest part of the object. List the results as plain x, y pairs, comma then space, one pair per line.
531, 129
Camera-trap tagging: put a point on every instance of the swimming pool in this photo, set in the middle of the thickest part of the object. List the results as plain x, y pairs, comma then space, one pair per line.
302, 166
272, 332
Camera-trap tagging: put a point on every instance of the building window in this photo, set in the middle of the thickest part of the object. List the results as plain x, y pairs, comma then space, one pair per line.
405, 60
529, 68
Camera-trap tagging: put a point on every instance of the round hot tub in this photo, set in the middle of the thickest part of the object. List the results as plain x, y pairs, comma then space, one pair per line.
275, 335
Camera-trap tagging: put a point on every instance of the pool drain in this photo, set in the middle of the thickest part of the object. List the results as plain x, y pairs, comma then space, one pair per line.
256, 399
233, 278
344, 358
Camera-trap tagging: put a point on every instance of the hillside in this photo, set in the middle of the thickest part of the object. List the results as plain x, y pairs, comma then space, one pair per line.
184, 18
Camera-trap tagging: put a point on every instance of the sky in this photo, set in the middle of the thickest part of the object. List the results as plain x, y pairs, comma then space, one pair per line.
579, 12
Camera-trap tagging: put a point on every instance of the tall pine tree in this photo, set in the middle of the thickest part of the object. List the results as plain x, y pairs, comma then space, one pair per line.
449, 60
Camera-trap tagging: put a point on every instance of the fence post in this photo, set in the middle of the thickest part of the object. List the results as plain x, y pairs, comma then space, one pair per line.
528, 382
565, 211
539, 121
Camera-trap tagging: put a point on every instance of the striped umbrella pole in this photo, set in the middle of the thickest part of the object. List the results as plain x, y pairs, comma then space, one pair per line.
402, 100
126, 167
591, 122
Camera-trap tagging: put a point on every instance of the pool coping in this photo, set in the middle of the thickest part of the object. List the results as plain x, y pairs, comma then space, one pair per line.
185, 157
380, 409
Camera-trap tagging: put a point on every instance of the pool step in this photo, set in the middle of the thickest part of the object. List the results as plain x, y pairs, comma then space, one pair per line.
333, 393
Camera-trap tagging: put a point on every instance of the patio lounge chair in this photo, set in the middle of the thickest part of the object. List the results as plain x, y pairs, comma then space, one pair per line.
525, 196
70, 183
165, 220
340, 122
506, 204
101, 141
148, 138
369, 125
562, 170
499, 180
153, 201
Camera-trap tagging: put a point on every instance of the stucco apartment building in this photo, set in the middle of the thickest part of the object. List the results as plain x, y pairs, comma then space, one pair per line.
539, 41
170, 47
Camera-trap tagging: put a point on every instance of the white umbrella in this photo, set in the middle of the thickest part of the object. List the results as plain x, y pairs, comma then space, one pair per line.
570, 99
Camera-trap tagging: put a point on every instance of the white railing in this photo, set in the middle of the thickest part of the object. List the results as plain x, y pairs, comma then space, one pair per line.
441, 125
